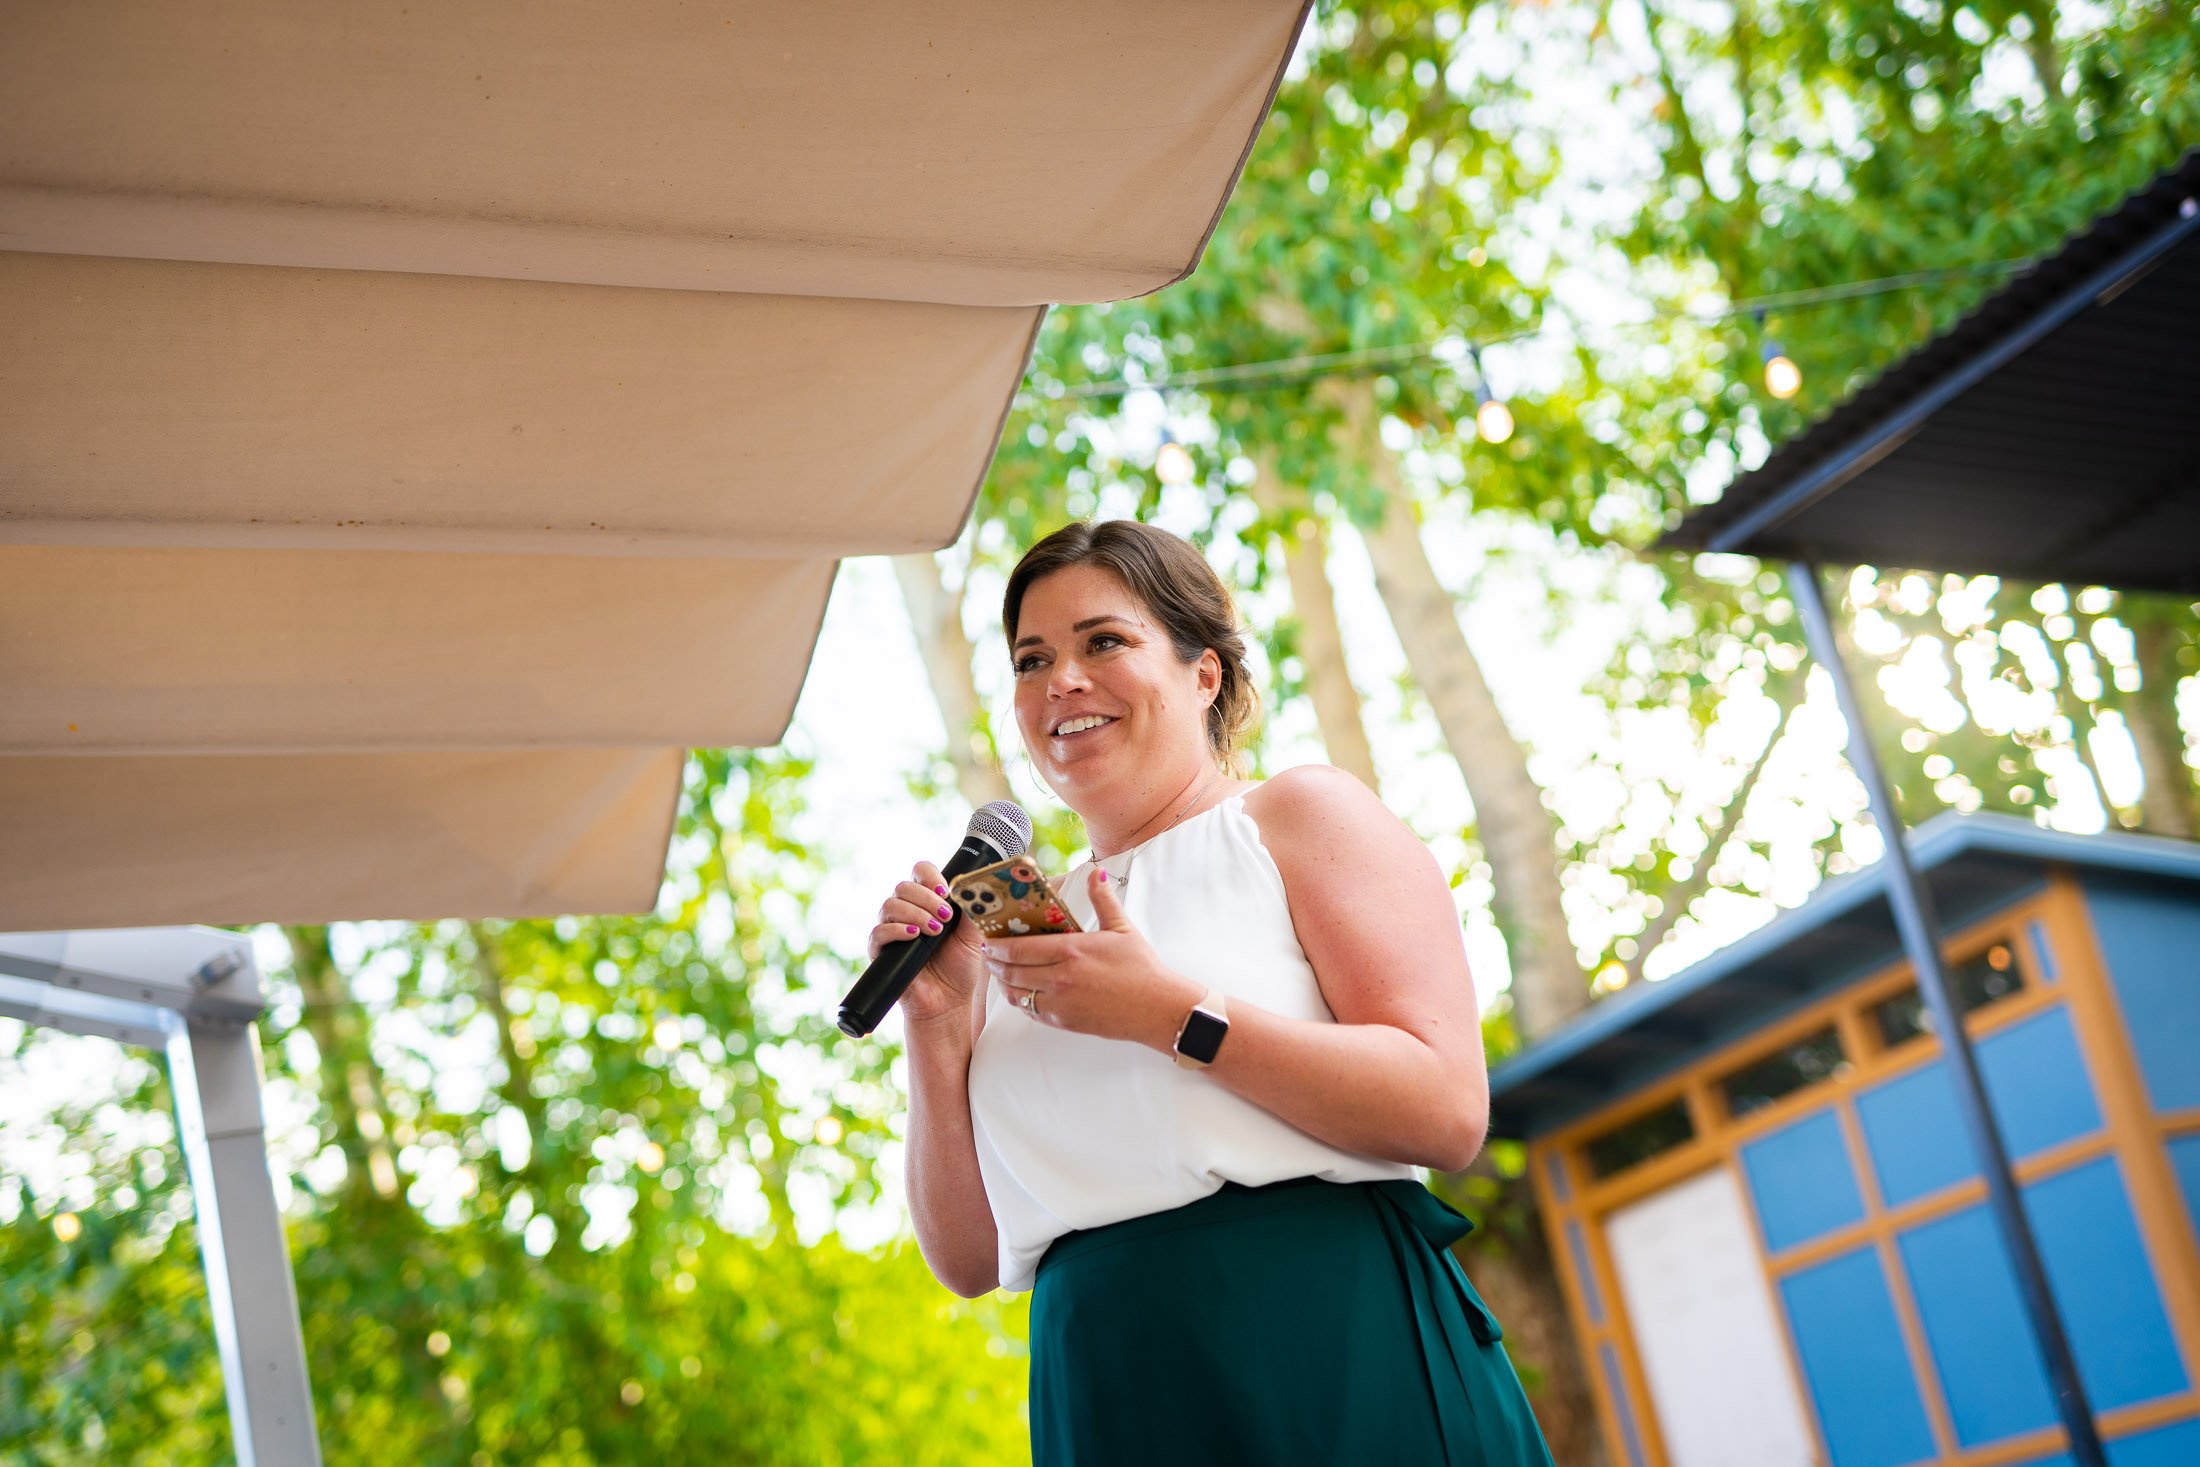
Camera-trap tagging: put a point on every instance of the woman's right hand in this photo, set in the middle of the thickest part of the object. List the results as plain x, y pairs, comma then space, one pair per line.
919, 907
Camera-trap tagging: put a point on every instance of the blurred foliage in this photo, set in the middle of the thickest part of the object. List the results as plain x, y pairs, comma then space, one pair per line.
567, 1196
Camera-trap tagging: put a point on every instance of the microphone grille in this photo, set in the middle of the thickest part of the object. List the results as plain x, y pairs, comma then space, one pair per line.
1004, 825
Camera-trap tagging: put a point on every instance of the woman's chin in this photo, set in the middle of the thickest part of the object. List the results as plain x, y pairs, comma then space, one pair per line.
1083, 772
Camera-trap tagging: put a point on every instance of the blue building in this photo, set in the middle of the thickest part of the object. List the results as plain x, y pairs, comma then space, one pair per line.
1771, 1229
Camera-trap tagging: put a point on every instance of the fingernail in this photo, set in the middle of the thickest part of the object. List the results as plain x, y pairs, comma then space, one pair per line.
1103, 876
946, 912
941, 890
931, 926
912, 930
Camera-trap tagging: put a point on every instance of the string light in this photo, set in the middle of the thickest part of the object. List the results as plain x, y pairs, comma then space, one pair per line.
1172, 462
1783, 379
1492, 419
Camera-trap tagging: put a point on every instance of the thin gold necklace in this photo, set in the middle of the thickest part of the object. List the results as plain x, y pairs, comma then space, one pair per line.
1122, 878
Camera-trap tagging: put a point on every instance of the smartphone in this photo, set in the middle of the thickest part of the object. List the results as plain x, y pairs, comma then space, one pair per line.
1012, 898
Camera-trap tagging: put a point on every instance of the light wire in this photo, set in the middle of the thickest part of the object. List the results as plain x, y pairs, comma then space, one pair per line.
1374, 358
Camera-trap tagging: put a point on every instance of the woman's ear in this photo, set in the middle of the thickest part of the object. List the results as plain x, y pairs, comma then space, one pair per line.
1210, 676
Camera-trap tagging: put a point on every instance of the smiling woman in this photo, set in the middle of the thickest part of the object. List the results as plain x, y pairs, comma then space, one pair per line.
1191, 1128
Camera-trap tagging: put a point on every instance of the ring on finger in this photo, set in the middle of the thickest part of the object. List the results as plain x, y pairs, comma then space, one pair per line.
1029, 1003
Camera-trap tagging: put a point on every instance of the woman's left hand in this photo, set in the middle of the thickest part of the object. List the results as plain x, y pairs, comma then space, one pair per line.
1109, 983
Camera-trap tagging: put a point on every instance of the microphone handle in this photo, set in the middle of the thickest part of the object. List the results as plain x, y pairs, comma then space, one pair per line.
898, 963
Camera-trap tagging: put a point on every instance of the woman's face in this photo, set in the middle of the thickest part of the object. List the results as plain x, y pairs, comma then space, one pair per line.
1104, 704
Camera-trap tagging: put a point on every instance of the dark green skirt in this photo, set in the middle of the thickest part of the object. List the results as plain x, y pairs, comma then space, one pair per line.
1307, 1322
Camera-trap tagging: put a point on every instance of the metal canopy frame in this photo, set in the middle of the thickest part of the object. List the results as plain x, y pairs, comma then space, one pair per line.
1923, 938
1767, 512
194, 993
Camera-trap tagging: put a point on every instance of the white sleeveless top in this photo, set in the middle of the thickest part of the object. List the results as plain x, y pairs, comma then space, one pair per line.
1076, 1132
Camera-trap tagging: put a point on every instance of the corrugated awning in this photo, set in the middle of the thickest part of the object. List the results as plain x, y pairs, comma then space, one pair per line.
419, 425
2052, 434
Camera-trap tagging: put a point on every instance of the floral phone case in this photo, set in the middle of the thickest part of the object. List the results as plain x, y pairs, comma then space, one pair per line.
1012, 898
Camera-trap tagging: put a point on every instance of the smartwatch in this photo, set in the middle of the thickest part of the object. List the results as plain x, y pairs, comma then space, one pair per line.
1200, 1040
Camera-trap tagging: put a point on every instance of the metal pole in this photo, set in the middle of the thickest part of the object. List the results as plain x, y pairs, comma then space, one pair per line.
214, 1071
1919, 925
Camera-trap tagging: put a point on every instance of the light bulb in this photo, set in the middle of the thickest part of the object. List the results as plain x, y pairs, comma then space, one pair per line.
1783, 379
1493, 420
1173, 465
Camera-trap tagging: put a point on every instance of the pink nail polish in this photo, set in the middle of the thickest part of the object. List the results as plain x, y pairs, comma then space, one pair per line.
946, 912
1103, 876
941, 890
912, 930
931, 926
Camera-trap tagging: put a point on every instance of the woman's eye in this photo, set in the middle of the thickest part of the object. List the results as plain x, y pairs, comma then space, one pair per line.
1023, 665
1105, 638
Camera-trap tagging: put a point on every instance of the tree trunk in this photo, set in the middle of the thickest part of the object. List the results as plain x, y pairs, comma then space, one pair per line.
2169, 805
1321, 642
1548, 985
936, 614
2040, 49
351, 1084
514, 1043
1516, 1277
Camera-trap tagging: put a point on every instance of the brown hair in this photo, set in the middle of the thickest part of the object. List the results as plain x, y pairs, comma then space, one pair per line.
1175, 583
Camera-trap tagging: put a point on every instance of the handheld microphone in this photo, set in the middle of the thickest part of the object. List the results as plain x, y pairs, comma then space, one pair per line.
996, 832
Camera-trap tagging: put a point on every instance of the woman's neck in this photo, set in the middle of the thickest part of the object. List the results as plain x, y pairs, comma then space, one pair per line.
1147, 812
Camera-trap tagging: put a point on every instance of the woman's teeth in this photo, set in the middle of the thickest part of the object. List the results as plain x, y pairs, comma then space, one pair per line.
1079, 725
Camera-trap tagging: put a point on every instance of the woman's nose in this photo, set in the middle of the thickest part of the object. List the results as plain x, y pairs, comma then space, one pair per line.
1067, 676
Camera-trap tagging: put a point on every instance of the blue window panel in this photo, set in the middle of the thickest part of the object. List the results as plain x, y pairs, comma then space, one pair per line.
2151, 942
1626, 1413
1591, 1300
1802, 1182
2043, 952
1914, 1135
1554, 1166
1853, 1358
2184, 1154
2175, 1445
1975, 1323
2104, 1285
2036, 1082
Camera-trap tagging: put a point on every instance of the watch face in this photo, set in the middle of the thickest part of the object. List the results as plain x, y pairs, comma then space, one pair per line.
1202, 1037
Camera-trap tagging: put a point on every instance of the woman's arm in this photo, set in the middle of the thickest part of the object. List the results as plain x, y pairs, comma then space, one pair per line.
1400, 1074
947, 1203
943, 1013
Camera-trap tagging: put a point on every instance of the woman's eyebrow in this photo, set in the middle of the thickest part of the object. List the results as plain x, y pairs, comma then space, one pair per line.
1086, 625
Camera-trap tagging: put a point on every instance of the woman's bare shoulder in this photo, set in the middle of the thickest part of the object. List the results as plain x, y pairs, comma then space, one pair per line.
1319, 804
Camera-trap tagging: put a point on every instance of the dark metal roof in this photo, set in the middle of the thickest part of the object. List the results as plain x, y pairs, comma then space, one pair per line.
2051, 434
1974, 863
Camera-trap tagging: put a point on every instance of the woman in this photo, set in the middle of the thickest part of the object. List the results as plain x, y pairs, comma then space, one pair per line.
1191, 1127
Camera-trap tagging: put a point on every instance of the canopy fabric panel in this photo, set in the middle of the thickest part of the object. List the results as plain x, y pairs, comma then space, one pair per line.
2049, 435
149, 402
126, 651
986, 152
418, 424
320, 838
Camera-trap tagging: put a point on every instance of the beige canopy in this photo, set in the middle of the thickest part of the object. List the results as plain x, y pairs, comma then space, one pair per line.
419, 425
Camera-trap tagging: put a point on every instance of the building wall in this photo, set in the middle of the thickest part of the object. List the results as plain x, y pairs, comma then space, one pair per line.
1897, 1307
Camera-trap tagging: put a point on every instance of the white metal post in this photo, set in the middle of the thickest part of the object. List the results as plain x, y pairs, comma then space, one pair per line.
194, 993
214, 1070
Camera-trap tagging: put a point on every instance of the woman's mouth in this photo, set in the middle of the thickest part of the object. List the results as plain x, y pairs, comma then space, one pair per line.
1070, 728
